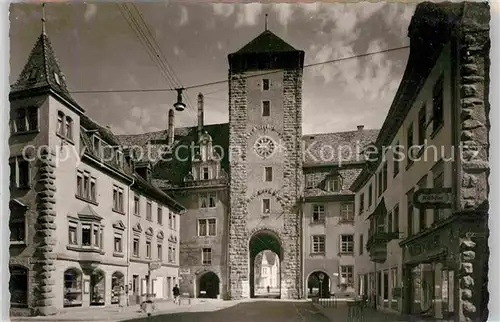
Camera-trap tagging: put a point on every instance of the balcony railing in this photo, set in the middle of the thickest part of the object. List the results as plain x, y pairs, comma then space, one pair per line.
377, 245
378, 238
205, 183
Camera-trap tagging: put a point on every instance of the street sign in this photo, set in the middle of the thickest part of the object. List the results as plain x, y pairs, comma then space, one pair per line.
433, 198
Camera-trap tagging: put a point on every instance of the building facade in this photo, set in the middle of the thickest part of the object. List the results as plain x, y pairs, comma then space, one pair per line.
242, 183
74, 242
431, 258
329, 243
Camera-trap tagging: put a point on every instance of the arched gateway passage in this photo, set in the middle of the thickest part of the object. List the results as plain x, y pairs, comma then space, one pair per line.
318, 285
209, 285
260, 241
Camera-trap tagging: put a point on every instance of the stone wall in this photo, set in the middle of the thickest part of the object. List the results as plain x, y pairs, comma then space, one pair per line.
238, 244
474, 170
239, 230
45, 237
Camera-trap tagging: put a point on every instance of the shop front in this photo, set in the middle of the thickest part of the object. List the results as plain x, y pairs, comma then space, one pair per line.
438, 267
429, 272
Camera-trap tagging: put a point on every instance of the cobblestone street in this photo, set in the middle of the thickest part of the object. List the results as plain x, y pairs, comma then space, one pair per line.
259, 310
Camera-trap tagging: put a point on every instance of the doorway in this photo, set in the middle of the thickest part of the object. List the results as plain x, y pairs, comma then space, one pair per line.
97, 288
209, 285
318, 285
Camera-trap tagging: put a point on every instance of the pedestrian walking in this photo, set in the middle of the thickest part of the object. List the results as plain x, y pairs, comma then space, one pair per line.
176, 292
122, 299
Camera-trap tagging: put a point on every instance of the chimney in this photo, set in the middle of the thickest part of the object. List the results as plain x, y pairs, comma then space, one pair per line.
200, 115
361, 127
170, 129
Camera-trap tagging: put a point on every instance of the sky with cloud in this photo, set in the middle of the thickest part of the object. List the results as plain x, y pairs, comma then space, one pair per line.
98, 50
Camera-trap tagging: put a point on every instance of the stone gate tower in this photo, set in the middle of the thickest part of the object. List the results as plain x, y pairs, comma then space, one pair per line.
265, 142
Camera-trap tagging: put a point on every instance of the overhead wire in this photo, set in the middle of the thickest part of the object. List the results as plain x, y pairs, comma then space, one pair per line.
244, 77
162, 58
146, 38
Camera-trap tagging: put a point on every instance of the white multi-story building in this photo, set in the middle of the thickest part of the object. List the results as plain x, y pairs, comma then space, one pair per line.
85, 220
425, 257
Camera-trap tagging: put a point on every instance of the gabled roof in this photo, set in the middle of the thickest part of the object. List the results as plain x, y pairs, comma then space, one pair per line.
337, 147
42, 71
264, 43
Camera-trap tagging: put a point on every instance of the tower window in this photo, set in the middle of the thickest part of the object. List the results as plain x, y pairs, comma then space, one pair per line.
266, 108
205, 173
266, 206
265, 84
269, 174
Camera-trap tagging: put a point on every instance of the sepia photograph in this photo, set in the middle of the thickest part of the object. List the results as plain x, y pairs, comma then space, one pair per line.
196, 161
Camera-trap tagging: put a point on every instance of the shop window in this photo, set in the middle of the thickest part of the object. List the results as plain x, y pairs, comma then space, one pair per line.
72, 293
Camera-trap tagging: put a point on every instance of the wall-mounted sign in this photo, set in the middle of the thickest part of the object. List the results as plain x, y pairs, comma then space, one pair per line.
154, 265
397, 292
427, 244
433, 198
184, 271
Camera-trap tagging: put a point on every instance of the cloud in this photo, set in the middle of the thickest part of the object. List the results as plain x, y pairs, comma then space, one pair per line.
284, 12
184, 16
90, 11
248, 14
222, 9
177, 51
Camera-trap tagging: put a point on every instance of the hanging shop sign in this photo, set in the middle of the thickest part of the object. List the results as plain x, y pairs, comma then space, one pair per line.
433, 198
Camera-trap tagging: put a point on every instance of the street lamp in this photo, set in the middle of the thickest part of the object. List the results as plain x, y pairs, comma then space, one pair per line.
179, 105
321, 276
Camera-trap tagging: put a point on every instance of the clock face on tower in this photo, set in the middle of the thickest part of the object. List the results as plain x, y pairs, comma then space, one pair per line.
264, 147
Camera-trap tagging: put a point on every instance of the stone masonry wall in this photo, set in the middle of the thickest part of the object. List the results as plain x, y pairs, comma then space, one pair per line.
45, 237
238, 210
291, 279
474, 171
239, 231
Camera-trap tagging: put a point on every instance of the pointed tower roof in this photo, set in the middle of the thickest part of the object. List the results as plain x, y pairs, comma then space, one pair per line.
266, 51
266, 42
42, 72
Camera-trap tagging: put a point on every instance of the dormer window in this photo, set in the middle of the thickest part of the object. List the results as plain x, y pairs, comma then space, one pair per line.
58, 80
206, 174
333, 184
33, 74
119, 158
97, 146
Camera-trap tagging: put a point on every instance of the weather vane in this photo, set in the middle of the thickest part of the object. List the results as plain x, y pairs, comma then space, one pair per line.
265, 23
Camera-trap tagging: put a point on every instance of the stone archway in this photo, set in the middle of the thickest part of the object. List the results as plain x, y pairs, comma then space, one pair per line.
318, 285
208, 285
261, 240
